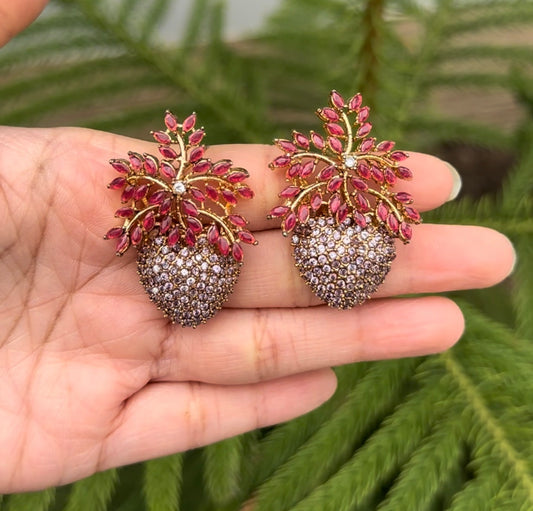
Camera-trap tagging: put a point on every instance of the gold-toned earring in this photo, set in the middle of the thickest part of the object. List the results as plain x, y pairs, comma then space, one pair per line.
339, 204
178, 213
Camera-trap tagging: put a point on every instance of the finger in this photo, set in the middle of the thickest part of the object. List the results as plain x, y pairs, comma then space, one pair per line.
439, 258
16, 16
431, 186
249, 346
165, 418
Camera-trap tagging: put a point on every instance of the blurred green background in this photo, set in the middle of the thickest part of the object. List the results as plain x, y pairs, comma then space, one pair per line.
449, 77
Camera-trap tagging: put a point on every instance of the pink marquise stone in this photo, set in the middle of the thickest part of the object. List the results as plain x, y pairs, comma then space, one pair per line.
316, 200
385, 146
211, 192
307, 169
364, 130
213, 234
136, 235
301, 140
221, 167
342, 213
140, 192
114, 233
196, 154
157, 197
359, 184
237, 252
246, 192
170, 121
290, 192
406, 231
122, 244
247, 237
362, 202
166, 222
189, 122
404, 173
290, 222
303, 213
363, 114
335, 144
167, 170
197, 194
127, 193
329, 114
189, 208
162, 137
377, 174
196, 137
229, 197
286, 145
125, 212
335, 129
135, 160
318, 141
165, 206
392, 223
201, 167
404, 197
120, 166
278, 211
334, 203
355, 102
149, 221
366, 145
173, 237
190, 238
237, 220
294, 170
390, 177
117, 183
150, 165
336, 99
398, 156
327, 172
364, 170
281, 161
382, 212
335, 183
412, 213
237, 176
223, 245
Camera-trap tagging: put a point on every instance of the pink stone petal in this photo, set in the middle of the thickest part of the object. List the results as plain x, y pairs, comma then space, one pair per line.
221, 167
336, 99
161, 137
121, 166
189, 122
196, 137
355, 102
170, 121
237, 220
167, 169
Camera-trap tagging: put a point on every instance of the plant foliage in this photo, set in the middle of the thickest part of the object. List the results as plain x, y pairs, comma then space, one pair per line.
447, 432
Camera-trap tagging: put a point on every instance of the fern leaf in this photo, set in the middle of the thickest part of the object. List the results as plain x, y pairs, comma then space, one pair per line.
335, 441
283, 442
428, 467
93, 493
222, 472
378, 459
162, 483
34, 501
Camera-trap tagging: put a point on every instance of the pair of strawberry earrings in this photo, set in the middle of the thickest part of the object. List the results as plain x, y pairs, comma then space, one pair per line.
338, 208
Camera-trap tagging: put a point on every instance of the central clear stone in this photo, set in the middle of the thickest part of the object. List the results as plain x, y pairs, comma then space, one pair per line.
350, 161
179, 187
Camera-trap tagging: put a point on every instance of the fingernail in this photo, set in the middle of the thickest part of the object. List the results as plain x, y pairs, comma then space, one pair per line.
515, 260
457, 182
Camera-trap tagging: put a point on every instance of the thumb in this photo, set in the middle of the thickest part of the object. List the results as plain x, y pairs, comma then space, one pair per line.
17, 15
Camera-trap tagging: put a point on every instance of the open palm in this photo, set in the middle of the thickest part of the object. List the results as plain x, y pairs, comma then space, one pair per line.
92, 376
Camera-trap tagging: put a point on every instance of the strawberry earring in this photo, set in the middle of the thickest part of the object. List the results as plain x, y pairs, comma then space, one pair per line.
339, 204
178, 214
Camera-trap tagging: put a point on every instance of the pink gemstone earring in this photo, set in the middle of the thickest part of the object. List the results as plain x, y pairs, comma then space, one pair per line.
339, 204
178, 213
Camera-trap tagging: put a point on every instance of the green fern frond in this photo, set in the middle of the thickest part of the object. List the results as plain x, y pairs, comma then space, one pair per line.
36, 501
93, 493
335, 441
162, 483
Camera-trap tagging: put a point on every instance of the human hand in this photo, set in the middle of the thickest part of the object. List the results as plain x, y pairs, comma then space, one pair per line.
92, 376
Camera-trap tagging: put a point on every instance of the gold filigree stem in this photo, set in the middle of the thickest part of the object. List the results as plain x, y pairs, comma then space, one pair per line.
128, 223
349, 133
151, 179
397, 214
305, 192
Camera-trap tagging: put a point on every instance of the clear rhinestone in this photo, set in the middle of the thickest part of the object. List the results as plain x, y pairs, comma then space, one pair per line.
178, 187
